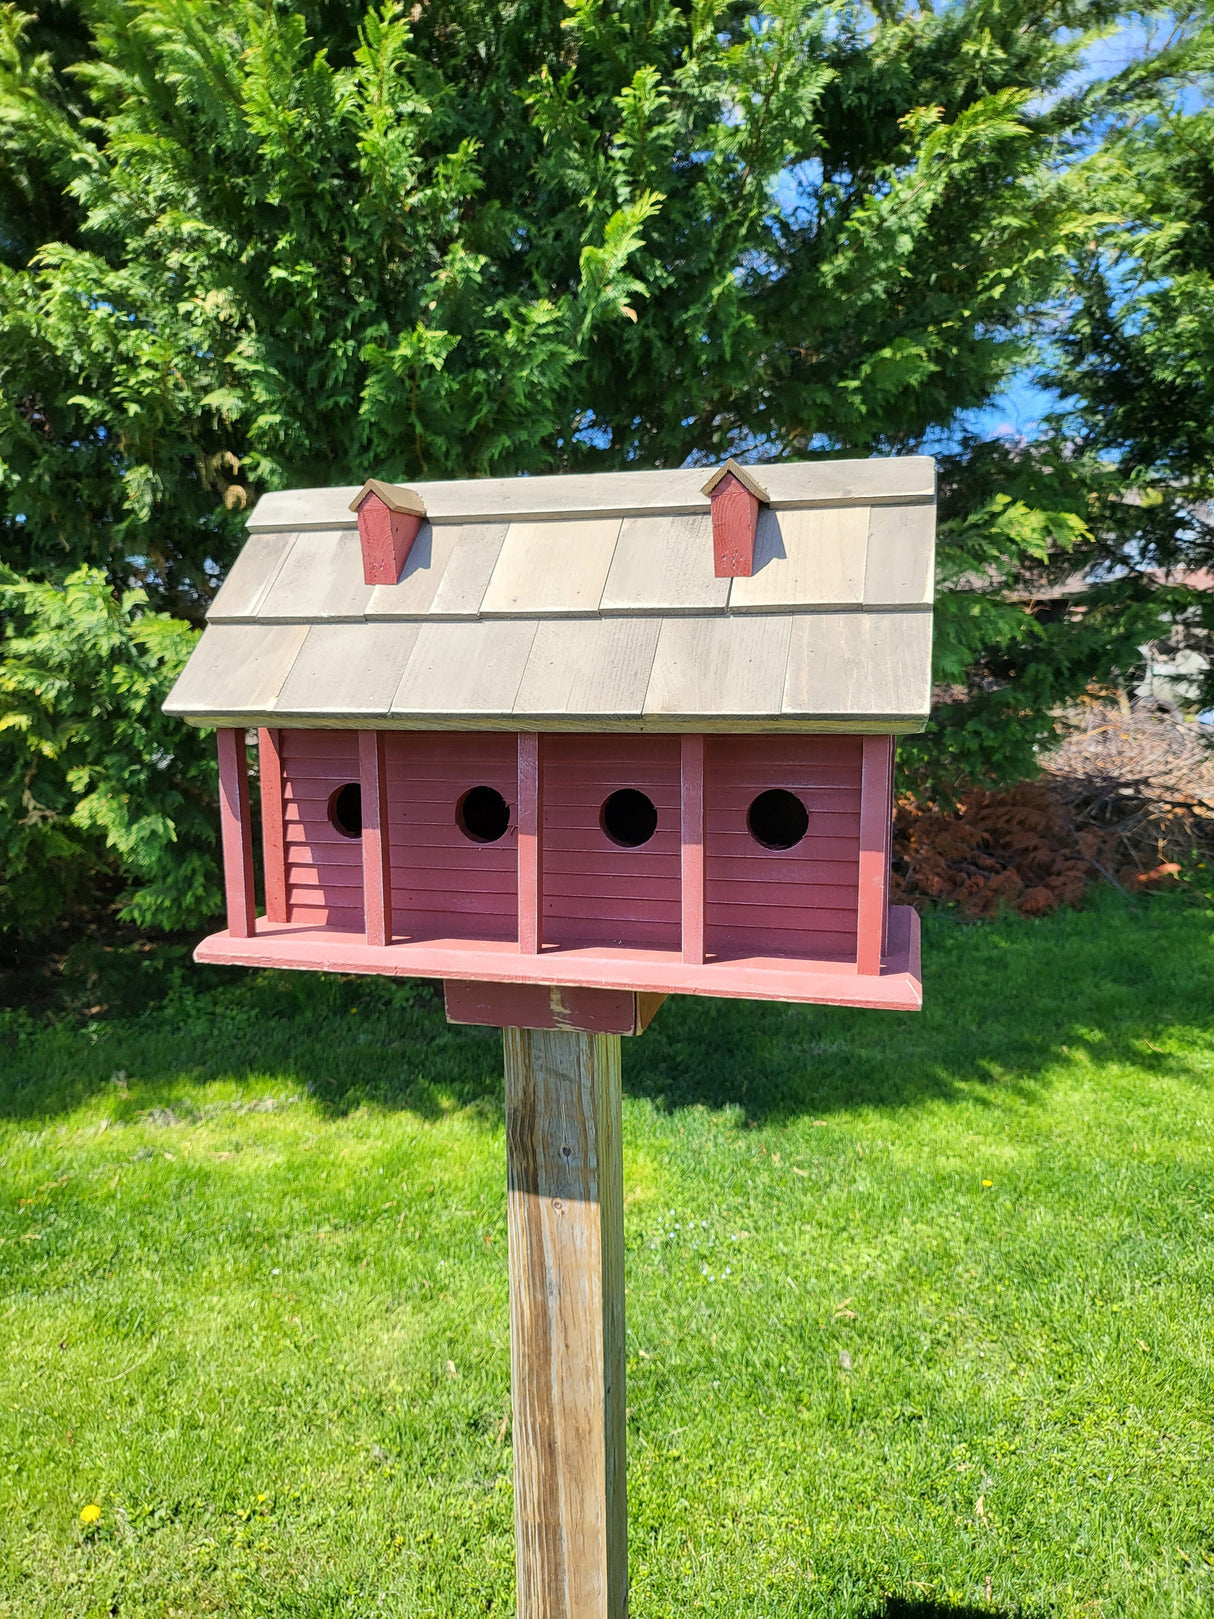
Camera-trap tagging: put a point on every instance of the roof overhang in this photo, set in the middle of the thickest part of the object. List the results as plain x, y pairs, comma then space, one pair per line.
584, 603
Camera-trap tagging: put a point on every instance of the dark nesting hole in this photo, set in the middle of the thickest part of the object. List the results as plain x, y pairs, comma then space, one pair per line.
482, 814
777, 819
628, 818
346, 810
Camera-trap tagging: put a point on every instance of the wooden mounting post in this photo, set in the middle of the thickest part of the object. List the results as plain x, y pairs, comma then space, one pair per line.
566, 1226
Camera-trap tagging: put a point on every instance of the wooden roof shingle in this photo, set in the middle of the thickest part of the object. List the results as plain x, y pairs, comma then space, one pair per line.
584, 602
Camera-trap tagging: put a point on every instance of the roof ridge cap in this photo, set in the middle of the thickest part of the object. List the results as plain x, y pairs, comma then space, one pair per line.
744, 476
396, 497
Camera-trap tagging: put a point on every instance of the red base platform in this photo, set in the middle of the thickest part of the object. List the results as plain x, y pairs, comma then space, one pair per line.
896, 988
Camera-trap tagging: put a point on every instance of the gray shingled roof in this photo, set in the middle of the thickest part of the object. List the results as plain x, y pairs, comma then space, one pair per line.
584, 602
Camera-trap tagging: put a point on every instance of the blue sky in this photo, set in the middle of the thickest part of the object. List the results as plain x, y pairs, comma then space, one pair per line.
1015, 413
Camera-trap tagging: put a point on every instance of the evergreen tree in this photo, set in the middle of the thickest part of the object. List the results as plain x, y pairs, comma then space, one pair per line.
300, 247
1137, 354
245, 245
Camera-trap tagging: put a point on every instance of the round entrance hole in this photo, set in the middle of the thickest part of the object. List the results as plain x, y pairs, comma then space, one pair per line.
628, 818
777, 819
482, 815
346, 810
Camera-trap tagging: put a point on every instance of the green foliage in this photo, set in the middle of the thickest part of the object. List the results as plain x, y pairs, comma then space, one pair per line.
1139, 348
244, 246
1135, 358
97, 788
485, 240
1016, 520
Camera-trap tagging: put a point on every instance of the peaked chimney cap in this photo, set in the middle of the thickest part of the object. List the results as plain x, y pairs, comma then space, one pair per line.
394, 496
741, 473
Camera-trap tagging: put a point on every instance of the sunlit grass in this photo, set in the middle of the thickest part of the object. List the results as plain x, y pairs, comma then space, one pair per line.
919, 1307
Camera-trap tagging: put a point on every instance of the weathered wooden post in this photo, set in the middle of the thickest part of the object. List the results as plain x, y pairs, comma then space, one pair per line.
566, 1217
570, 745
565, 1209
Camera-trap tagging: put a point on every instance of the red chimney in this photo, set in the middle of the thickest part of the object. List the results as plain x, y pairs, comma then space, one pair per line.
388, 521
735, 496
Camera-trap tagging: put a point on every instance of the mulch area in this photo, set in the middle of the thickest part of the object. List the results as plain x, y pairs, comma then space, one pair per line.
1127, 798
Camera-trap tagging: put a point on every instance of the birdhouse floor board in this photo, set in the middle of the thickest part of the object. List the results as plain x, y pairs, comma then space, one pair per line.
756, 977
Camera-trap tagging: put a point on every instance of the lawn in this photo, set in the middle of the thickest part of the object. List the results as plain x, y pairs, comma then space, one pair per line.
919, 1306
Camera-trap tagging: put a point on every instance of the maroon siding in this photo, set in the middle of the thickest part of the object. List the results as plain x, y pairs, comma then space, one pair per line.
791, 902
443, 884
594, 891
324, 869
800, 902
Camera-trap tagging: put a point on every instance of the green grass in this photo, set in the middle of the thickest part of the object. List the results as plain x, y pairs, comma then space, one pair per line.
254, 1295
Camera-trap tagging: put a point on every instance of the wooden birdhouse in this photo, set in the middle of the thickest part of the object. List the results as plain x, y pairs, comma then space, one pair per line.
629, 731
571, 744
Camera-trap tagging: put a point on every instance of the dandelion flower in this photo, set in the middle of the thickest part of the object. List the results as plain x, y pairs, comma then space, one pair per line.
988, 1183
91, 1513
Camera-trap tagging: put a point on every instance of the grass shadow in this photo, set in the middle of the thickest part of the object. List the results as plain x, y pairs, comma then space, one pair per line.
1003, 1002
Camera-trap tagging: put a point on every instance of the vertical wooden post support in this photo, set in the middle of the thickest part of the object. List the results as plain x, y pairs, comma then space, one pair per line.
565, 1216
377, 876
530, 817
236, 831
273, 823
889, 842
876, 809
692, 841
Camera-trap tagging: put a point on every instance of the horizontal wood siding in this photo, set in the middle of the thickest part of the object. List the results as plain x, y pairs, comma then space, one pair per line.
444, 885
595, 892
782, 902
324, 869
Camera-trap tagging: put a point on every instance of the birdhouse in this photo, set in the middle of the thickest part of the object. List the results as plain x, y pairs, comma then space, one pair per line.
571, 744
625, 732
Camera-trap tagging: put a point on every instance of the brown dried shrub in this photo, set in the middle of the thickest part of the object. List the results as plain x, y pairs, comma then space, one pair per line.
1010, 848
1126, 799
